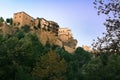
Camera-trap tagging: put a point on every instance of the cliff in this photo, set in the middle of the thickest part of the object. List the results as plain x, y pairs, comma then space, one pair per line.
46, 36
47, 31
6, 29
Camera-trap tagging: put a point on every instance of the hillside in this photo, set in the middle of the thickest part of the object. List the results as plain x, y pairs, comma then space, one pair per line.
47, 31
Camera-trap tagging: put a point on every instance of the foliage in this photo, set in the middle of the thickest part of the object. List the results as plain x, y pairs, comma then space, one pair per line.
50, 67
26, 28
1, 19
110, 43
105, 66
18, 56
78, 59
9, 20
38, 26
23, 57
102, 68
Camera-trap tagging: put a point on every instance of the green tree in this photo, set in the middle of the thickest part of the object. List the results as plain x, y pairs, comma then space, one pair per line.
26, 28
78, 59
38, 26
93, 70
1, 19
9, 20
18, 56
102, 68
50, 67
112, 70
19, 34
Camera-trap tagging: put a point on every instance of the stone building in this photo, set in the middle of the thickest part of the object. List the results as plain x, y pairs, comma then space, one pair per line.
21, 18
46, 25
54, 27
64, 34
41, 23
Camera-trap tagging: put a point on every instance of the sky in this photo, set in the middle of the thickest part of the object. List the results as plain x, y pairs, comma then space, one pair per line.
78, 15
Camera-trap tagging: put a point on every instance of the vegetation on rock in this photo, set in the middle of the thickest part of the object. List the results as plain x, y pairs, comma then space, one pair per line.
23, 56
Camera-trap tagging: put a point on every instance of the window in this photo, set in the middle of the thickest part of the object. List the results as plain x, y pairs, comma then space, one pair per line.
18, 23
31, 20
14, 24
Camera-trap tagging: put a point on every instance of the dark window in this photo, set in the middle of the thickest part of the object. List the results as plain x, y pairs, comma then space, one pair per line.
14, 24
18, 23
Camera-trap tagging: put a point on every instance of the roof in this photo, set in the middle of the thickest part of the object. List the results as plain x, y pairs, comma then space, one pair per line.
24, 13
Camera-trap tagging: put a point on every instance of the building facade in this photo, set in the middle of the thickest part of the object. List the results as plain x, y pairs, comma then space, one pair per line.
41, 23
21, 18
64, 34
46, 25
54, 27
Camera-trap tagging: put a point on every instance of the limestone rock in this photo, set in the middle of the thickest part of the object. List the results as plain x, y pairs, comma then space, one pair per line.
6, 29
69, 49
59, 43
46, 36
71, 43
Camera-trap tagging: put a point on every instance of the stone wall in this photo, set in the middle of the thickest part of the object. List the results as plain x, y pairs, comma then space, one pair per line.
21, 18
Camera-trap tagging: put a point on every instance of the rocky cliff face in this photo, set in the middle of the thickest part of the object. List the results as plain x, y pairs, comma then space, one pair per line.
46, 36
6, 29
49, 33
71, 43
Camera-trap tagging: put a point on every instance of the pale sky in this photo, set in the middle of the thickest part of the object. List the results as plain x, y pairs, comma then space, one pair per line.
78, 15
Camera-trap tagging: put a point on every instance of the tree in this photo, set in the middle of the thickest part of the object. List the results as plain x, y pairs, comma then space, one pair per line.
1, 19
26, 28
38, 26
93, 70
78, 59
18, 55
9, 20
50, 67
110, 42
102, 68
